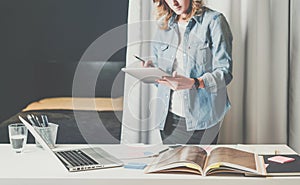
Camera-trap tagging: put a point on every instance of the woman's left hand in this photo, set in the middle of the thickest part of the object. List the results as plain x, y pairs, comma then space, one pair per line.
177, 82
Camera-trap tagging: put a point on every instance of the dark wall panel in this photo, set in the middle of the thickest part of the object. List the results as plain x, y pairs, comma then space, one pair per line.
34, 32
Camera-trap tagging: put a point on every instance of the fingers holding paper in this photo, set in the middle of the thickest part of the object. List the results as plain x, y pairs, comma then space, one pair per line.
176, 82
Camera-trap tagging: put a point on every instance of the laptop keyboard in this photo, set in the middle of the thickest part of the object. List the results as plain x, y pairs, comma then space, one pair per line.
77, 158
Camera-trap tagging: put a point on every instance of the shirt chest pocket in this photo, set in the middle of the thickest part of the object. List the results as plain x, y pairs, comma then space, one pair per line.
199, 52
164, 56
163, 50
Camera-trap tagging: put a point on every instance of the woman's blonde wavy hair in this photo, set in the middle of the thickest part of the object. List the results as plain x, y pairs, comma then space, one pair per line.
164, 12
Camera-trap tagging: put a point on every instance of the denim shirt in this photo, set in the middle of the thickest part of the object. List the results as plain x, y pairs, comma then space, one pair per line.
207, 48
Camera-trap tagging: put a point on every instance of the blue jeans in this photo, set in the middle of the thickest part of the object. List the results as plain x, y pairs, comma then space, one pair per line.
175, 132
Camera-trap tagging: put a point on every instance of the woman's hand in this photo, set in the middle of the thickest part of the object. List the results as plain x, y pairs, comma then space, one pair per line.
177, 82
148, 63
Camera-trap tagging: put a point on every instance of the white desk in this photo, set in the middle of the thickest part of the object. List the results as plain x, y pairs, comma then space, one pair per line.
36, 166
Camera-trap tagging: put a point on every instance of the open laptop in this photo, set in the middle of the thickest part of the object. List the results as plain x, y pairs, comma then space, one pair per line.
78, 159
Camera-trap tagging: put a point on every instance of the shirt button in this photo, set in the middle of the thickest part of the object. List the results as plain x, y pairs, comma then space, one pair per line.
167, 96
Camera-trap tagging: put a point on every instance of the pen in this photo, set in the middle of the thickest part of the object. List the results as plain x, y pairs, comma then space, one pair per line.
174, 146
139, 58
31, 120
45, 120
38, 121
34, 120
162, 151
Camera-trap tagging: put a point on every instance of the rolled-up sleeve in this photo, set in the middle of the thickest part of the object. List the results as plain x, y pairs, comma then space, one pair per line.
221, 38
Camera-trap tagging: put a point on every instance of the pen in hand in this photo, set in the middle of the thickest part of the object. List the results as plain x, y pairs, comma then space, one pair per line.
140, 59
144, 63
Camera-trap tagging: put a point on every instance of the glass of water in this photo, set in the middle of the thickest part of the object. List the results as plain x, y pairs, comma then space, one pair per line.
17, 136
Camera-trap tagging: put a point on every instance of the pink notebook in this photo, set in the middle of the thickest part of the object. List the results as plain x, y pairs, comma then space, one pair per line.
281, 159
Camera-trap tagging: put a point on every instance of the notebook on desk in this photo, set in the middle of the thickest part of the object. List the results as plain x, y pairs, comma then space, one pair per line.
79, 159
289, 168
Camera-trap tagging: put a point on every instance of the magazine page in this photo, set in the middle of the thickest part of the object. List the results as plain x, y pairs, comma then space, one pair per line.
189, 157
230, 158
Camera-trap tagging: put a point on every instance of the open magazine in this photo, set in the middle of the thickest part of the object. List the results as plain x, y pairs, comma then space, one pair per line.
194, 159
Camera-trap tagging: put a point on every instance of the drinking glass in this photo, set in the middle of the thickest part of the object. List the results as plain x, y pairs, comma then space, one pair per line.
17, 136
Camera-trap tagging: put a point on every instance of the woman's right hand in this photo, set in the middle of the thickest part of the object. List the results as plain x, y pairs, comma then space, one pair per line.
148, 63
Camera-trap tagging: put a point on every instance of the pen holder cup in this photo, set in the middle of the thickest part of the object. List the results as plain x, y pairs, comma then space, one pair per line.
48, 134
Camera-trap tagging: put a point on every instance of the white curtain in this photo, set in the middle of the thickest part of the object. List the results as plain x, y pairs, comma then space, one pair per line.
137, 126
294, 93
259, 90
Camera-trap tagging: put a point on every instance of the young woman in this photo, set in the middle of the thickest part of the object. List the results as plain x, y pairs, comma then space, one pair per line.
193, 43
